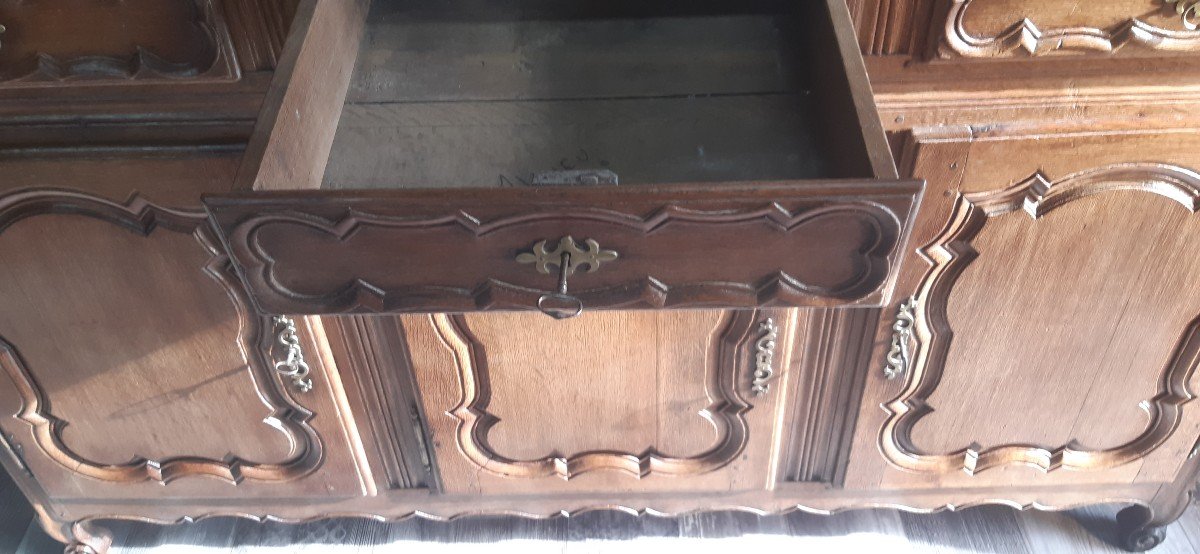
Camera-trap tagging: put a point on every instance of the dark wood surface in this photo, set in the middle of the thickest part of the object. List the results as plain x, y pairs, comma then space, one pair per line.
733, 245
146, 75
445, 97
16, 517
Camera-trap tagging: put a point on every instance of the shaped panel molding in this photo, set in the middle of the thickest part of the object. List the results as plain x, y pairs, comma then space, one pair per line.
71, 40
725, 412
1047, 29
415, 251
950, 255
283, 415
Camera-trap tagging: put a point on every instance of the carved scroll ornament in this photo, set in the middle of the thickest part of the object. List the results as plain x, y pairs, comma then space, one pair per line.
951, 253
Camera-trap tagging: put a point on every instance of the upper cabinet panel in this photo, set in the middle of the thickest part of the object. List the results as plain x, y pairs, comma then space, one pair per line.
1073, 64
141, 73
46, 43
140, 39
1015, 28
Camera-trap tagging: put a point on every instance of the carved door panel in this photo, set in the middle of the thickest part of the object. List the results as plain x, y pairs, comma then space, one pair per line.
610, 401
132, 365
1053, 330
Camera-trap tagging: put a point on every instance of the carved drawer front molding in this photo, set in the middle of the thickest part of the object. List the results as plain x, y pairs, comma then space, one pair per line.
253, 342
723, 377
412, 251
952, 254
1016, 28
132, 40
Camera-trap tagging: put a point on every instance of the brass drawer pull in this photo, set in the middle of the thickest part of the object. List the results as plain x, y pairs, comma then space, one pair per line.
293, 365
567, 257
899, 356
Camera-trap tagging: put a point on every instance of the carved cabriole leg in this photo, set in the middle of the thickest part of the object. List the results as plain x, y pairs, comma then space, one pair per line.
88, 538
1140, 528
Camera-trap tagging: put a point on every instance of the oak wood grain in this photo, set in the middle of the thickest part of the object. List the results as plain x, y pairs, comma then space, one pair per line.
612, 410
1051, 352
134, 302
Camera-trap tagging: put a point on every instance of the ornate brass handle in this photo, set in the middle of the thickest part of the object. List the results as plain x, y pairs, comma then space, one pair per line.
1189, 10
293, 364
899, 357
764, 359
567, 257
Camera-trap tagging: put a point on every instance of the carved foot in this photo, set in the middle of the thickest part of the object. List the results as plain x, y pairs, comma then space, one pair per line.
88, 538
1137, 530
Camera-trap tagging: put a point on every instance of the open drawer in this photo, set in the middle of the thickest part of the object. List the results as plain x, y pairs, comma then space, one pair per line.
567, 155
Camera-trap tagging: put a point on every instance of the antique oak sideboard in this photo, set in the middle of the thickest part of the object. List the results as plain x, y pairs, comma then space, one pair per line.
295, 259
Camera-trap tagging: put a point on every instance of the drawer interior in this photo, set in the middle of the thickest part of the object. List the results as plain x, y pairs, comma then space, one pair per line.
474, 93
746, 130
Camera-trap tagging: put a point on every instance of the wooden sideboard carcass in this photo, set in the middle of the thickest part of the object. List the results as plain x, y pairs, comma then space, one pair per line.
292, 260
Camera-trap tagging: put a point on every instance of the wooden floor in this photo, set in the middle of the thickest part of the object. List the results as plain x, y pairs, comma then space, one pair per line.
987, 529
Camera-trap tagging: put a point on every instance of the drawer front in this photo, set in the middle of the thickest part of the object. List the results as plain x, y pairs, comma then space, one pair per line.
719, 245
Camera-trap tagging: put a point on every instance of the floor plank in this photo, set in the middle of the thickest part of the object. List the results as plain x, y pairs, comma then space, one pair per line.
986, 529
15, 514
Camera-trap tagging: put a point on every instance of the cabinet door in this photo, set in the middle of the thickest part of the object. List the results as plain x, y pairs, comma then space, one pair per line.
1053, 328
132, 366
611, 402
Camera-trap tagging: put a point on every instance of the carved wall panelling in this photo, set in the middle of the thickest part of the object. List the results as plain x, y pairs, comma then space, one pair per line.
952, 253
143, 218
